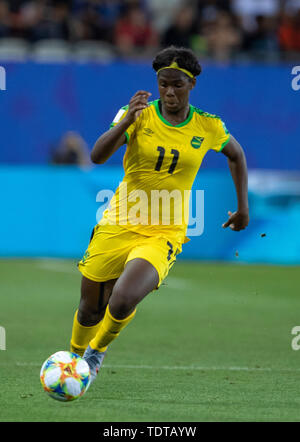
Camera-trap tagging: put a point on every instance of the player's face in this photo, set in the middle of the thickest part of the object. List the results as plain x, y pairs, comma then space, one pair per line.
174, 89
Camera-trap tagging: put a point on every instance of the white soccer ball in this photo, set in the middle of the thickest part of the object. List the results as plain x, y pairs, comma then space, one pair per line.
65, 376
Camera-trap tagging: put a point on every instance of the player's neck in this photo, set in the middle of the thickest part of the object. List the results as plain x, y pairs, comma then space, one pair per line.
175, 117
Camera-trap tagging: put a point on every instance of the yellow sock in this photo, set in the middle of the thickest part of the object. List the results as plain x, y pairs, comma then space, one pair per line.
81, 336
109, 330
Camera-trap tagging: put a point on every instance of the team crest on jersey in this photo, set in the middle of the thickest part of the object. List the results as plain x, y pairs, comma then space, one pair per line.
196, 142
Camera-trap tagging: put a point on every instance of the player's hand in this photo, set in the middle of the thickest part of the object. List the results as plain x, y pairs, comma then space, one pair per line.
136, 105
238, 220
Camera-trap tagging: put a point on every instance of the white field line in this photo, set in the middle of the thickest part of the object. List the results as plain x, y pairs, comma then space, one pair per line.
55, 265
171, 367
199, 368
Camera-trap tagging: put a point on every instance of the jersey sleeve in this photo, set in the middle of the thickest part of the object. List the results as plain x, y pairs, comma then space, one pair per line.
120, 115
221, 135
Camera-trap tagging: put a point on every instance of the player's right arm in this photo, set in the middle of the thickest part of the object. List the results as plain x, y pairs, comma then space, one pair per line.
115, 137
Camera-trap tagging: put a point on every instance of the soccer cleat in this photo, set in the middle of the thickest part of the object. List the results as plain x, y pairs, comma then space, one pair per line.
94, 358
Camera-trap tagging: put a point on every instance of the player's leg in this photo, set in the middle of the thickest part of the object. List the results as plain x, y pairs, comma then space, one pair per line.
103, 260
147, 264
93, 301
137, 280
91, 310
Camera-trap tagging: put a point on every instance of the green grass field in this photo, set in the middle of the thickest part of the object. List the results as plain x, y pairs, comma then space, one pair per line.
213, 344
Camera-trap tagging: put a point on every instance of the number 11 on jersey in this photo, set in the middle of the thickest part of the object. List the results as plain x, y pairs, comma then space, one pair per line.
160, 159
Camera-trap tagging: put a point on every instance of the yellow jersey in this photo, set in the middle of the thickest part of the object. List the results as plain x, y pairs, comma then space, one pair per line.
160, 163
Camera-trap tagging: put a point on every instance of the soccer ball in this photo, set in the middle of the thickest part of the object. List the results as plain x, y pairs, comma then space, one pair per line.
65, 376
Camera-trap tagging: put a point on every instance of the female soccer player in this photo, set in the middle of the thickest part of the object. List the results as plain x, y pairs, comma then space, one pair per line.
133, 247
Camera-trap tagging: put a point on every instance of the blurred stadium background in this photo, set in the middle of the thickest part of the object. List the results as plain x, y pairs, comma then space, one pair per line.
70, 65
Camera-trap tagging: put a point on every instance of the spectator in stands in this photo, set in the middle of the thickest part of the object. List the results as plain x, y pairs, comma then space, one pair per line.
54, 23
162, 13
290, 6
209, 8
31, 14
248, 10
90, 25
263, 39
180, 32
222, 37
72, 149
95, 20
4, 19
289, 33
134, 34
110, 10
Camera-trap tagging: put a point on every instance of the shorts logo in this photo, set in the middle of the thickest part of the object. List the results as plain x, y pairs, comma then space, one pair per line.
85, 256
196, 142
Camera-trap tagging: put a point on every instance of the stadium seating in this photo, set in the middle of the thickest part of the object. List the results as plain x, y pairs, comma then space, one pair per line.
51, 51
13, 49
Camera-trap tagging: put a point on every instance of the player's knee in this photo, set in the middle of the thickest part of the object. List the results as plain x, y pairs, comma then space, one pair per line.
122, 301
87, 315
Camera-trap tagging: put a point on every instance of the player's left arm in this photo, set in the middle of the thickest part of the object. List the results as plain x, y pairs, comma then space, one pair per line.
238, 220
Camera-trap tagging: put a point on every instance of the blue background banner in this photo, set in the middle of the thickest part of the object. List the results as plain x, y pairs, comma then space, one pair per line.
50, 212
43, 101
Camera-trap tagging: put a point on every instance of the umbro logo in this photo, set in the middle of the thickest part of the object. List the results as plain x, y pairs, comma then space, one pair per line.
148, 132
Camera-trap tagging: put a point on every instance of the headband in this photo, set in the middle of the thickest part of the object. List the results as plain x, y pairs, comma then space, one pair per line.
174, 65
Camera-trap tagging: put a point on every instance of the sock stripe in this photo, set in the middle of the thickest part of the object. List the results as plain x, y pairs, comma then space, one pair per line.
109, 330
120, 321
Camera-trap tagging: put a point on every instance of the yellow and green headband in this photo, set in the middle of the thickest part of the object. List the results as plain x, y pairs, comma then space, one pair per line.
174, 65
